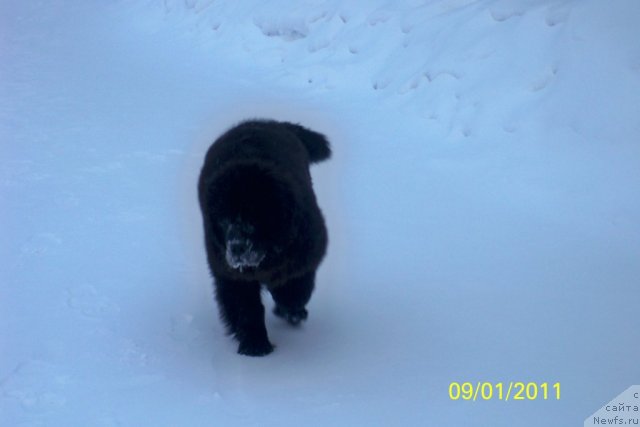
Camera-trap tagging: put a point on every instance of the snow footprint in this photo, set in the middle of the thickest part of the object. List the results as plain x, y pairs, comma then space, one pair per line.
544, 80
183, 329
379, 16
415, 81
87, 301
36, 385
286, 28
131, 354
505, 10
410, 85
557, 15
40, 243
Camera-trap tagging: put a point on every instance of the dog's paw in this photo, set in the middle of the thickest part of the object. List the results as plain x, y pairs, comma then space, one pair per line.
255, 347
292, 316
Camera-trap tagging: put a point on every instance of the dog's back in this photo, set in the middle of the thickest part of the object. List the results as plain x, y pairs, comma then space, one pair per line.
288, 146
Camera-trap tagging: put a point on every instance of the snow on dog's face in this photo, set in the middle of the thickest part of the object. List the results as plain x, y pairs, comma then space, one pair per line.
254, 215
252, 240
242, 249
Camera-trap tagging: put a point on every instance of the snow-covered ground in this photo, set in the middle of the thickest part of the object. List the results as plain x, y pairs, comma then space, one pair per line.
483, 205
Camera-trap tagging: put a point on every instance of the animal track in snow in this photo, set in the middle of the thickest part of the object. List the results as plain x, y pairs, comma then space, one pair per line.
557, 15
431, 76
509, 127
40, 243
381, 83
36, 385
287, 31
131, 354
183, 329
411, 85
379, 16
200, 5
543, 81
414, 82
87, 301
318, 16
317, 45
502, 14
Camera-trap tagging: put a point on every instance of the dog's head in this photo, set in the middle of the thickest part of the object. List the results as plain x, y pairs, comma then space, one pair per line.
253, 213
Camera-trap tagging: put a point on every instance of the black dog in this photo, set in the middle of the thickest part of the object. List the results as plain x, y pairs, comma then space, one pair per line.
262, 224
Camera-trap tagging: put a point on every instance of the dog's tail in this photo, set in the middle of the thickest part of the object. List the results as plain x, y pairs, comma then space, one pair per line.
316, 143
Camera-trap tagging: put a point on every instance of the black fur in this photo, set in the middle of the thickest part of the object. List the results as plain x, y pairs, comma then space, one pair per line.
262, 224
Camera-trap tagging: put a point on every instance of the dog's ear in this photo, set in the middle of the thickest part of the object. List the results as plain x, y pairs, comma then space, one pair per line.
316, 143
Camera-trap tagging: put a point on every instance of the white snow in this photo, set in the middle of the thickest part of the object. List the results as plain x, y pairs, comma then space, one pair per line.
483, 205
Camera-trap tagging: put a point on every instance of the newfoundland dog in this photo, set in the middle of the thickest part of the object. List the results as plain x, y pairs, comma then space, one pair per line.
262, 224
